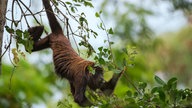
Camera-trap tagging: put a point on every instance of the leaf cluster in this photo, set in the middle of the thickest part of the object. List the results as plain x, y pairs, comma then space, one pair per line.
22, 37
166, 95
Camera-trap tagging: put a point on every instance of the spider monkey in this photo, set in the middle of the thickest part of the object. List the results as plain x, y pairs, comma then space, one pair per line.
68, 64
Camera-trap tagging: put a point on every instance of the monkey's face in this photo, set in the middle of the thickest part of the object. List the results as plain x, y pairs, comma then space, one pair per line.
96, 80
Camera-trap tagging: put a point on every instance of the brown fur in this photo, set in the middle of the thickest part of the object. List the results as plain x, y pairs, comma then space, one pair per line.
68, 64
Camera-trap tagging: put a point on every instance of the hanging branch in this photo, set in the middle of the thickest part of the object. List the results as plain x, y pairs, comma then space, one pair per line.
12, 8
30, 12
23, 14
82, 32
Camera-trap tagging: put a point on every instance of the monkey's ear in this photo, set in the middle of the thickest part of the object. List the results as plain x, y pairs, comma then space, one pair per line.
36, 32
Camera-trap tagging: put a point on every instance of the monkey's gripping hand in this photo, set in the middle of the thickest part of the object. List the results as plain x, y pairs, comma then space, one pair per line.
108, 87
39, 44
36, 32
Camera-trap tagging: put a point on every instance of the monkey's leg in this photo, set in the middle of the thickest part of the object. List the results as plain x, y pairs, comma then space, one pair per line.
108, 87
80, 87
36, 32
72, 88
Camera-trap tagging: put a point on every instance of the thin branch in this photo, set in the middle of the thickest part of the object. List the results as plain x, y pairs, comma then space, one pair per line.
74, 17
12, 15
76, 45
7, 47
132, 83
67, 22
108, 39
59, 10
30, 12
35, 13
23, 13
10, 80
63, 4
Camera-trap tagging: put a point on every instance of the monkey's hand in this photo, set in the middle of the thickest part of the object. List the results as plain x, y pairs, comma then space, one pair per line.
36, 32
108, 87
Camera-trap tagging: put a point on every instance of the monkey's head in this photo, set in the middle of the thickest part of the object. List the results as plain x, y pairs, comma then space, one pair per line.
96, 80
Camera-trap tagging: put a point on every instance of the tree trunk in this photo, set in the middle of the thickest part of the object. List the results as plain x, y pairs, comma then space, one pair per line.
3, 7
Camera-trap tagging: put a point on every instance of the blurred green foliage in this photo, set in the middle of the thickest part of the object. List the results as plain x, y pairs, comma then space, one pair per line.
24, 85
130, 20
184, 5
174, 55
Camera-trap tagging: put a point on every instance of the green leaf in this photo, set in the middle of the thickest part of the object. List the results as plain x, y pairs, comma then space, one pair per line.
105, 50
19, 33
28, 45
97, 14
159, 80
91, 70
88, 4
172, 83
136, 94
100, 11
72, 9
155, 89
101, 61
110, 67
81, 20
111, 31
26, 34
101, 26
77, 5
111, 43
94, 33
69, 3
161, 95
129, 93
125, 51
142, 85
9, 30
100, 49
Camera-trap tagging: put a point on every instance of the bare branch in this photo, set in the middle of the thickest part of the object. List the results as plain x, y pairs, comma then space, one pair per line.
30, 12
23, 13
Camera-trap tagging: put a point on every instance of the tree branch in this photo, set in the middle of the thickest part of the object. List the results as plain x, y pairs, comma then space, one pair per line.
3, 8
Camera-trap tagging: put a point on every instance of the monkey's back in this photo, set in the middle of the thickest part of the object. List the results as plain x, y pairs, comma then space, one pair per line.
67, 62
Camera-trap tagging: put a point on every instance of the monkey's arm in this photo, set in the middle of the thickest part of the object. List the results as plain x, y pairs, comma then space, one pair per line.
41, 44
108, 87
